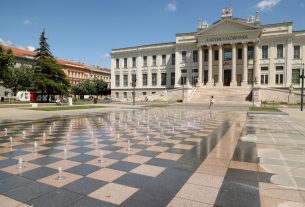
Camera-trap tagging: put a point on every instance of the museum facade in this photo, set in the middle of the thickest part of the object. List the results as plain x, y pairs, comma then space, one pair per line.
232, 52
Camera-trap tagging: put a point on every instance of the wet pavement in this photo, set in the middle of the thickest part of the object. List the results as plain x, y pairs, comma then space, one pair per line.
153, 157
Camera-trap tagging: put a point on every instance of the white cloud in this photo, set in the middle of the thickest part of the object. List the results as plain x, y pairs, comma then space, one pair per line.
30, 48
106, 55
6, 43
26, 22
171, 7
267, 4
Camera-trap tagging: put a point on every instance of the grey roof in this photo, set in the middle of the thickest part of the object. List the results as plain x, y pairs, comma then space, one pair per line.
141, 46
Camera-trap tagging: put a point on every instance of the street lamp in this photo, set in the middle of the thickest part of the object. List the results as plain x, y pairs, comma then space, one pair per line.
302, 89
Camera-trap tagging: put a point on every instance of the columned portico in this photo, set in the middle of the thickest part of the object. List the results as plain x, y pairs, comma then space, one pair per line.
257, 72
245, 65
199, 83
220, 69
210, 67
233, 76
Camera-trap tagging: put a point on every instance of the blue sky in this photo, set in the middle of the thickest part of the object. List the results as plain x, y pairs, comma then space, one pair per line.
87, 30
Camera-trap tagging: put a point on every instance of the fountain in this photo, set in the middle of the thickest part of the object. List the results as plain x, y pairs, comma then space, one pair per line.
32, 127
20, 163
134, 132
23, 134
101, 160
118, 137
188, 124
173, 130
128, 147
110, 128
44, 137
50, 130
147, 139
35, 146
5, 131
138, 123
60, 176
65, 153
11, 141
96, 142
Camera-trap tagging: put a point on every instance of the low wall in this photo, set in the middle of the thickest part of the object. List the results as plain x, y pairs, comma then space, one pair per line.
282, 95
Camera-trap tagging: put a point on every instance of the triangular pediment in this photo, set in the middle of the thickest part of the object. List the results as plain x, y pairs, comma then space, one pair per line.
226, 26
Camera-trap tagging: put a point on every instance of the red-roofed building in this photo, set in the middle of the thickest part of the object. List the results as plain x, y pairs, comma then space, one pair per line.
76, 72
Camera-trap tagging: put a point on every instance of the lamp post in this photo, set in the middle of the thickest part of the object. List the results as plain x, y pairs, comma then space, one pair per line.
133, 84
302, 89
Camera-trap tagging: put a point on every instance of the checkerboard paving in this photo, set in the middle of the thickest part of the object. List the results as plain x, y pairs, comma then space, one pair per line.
112, 158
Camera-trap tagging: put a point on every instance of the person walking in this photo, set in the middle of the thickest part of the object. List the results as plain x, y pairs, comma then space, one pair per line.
212, 102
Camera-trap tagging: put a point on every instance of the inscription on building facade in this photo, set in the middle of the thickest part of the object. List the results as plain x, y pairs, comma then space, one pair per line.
228, 38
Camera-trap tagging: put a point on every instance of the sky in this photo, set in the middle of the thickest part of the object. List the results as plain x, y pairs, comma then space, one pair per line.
86, 30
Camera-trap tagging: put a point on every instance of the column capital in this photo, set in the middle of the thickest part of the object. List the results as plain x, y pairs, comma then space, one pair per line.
219, 45
209, 46
245, 44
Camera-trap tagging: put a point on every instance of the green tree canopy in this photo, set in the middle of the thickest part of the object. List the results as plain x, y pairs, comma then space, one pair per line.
91, 87
44, 49
7, 61
19, 78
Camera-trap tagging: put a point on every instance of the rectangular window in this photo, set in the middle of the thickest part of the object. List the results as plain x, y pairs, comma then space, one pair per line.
279, 75
173, 59
154, 57
125, 80
250, 52
296, 52
134, 62
227, 54
296, 76
206, 55
264, 75
172, 79
125, 94
183, 80
117, 80
280, 51
183, 56
195, 56
154, 79
163, 59
117, 94
216, 54
239, 53
144, 79
144, 93
144, 61
125, 62
163, 79
117, 63
265, 52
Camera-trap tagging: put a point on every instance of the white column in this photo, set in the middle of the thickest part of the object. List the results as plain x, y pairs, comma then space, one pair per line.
257, 71
210, 67
200, 67
159, 60
130, 71
177, 69
233, 76
245, 65
139, 71
220, 69
289, 56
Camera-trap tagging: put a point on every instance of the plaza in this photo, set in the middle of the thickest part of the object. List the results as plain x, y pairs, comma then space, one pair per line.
173, 156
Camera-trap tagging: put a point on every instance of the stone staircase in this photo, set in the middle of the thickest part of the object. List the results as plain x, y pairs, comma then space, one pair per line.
222, 96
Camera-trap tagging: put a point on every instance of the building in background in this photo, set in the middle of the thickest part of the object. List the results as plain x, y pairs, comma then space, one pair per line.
232, 52
76, 72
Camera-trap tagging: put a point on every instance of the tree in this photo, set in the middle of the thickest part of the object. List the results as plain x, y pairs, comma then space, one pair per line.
19, 78
50, 78
44, 49
7, 61
102, 88
91, 87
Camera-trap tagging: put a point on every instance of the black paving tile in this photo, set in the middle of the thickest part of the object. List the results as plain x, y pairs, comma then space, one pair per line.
45, 160
148, 153
81, 150
51, 151
123, 166
29, 191
160, 162
91, 202
84, 185
133, 180
83, 158
39, 173
116, 156
8, 162
4, 175
56, 198
15, 153
83, 169
12, 182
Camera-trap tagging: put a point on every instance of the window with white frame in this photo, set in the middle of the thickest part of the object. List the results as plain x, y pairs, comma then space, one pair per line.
163, 79
117, 80
117, 63
296, 76
172, 79
206, 55
296, 52
279, 75
265, 52
125, 94
154, 62
195, 56
125, 62
264, 75
163, 59
280, 51
125, 80
183, 56
154, 79
173, 59
134, 62
144, 79
117, 94
144, 61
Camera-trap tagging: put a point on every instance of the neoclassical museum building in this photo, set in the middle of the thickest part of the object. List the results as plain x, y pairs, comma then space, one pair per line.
230, 53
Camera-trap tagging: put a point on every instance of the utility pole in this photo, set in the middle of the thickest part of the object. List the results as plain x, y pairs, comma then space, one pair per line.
302, 89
